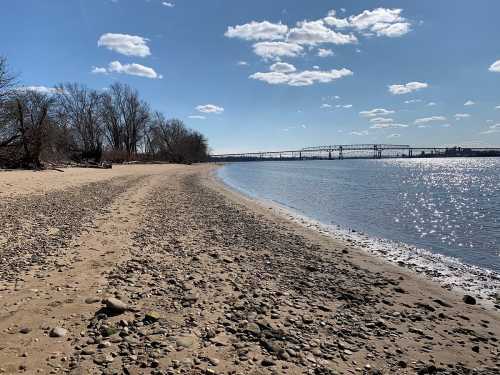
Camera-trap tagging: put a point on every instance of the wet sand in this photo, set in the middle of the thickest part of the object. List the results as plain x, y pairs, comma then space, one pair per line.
199, 279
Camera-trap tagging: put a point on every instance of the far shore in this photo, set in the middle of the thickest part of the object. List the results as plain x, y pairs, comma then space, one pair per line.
153, 269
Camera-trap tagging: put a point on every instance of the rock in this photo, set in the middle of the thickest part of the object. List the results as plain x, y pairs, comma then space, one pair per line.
115, 305
266, 362
25, 330
102, 359
58, 332
152, 316
253, 328
91, 300
185, 341
469, 300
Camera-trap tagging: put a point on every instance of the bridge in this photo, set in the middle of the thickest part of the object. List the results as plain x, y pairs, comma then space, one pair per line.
358, 151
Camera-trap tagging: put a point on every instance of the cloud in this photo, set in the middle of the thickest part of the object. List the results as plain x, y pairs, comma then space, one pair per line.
97, 70
257, 31
425, 120
497, 107
377, 22
326, 105
323, 52
210, 108
242, 63
407, 88
315, 32
167, 4
376, 112
39, 89
381, 120
394, 135
130, 69
360, 133
273, 50
460, 116
129, 45
388, 126
381, 22
495, 67
492, 129
282, 67
304, 78
431, 104
469, 102
197, 117
413, 101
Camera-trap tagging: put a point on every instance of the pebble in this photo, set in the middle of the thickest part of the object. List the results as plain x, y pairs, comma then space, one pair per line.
58, 332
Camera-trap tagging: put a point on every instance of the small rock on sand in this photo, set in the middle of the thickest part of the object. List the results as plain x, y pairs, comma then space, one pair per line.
115, 305
58, 332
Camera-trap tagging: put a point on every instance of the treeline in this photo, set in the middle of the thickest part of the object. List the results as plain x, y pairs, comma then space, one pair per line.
72, 123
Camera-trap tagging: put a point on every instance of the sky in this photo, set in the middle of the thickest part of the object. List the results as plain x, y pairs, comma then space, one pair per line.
278, 75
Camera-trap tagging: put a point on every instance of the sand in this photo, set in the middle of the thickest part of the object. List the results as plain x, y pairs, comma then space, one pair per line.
213, 283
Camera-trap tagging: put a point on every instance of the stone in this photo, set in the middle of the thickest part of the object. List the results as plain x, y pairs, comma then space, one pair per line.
25, 330
152, 316
58, 332
266, 362
185, 341
102, 359
91, 300
469, 300
115, 305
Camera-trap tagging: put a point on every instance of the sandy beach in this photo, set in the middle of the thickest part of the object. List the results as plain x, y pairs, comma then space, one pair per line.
160, 269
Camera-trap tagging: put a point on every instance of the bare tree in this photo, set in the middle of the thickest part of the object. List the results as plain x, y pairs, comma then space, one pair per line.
79, 111
27, 118
7, 80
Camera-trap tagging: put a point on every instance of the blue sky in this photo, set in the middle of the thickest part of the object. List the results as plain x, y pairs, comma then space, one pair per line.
262, 75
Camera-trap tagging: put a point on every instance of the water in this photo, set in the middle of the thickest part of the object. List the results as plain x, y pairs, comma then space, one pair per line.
449, 207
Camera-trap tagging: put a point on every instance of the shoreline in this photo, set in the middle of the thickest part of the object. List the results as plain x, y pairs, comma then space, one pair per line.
448, 272
174, 273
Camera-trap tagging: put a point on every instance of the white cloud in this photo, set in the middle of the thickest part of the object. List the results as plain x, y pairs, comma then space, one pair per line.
210, 108
425, 120
413, 101
381, 22
282, 67
431, 104
388, 126
40, 89
497, 107
394, 135
315, 32
130, 69
326, 105
304, 78
129, 45
376, 112
381, 120
460, 116
273, 50
495, 67
168, 5
197, 117
97, 70
407, 88
339, 23
257, 31
492, 129
469, 102
360, 133
242, 63
323, 52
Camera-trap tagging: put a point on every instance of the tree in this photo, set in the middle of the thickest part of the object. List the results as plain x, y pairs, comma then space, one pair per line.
79, 111
27, 119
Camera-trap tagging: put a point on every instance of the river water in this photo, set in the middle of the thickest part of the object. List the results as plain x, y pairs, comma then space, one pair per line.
449, 207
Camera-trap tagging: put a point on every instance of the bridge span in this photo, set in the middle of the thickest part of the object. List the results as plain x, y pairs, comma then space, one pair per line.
358, 151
